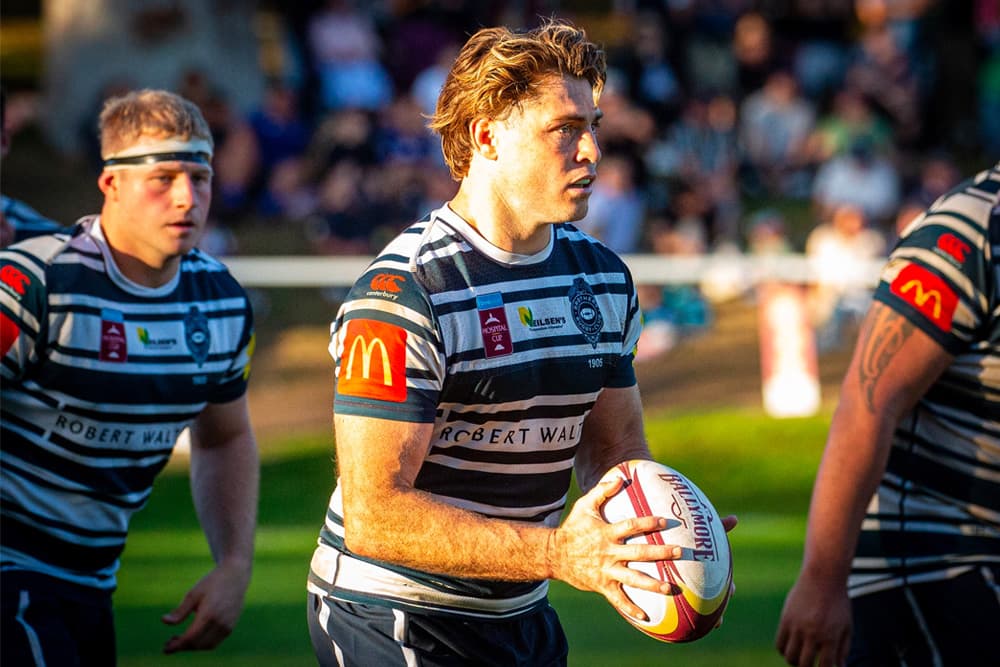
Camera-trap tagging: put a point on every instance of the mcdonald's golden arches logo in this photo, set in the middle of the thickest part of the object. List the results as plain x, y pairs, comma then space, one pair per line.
928, 293
373, 361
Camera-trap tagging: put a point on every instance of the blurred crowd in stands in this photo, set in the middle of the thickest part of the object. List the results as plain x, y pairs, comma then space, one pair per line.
717, 112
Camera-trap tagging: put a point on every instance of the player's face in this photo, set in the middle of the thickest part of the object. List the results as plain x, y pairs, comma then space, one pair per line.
161, 209
548, 153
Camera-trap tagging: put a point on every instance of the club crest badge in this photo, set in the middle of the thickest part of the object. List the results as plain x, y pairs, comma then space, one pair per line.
586, 313
196, 335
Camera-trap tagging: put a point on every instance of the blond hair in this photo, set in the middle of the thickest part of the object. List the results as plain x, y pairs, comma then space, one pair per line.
153, 113
498, 69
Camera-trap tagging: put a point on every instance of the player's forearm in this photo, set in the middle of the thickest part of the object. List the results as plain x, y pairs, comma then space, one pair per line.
224, 486
853, 462
412, 529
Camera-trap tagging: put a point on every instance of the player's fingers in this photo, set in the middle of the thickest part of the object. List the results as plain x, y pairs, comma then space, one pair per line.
788, 646
604, 490
637, 525
807, 654
842, 648
646, 553
201, 635
181, 611
616, 596
634, 578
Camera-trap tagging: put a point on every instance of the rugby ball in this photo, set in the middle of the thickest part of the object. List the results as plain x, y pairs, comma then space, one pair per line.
703, 575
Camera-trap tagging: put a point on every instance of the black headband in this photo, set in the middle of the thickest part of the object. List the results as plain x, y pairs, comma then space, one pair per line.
152, 158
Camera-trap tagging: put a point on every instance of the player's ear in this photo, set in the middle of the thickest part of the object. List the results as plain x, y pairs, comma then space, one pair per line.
483, 134
108, 182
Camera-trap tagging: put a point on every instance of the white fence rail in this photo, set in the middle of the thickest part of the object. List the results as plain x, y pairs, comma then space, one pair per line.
327, 271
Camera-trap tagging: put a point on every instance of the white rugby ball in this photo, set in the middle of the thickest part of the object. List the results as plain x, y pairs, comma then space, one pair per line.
702, 577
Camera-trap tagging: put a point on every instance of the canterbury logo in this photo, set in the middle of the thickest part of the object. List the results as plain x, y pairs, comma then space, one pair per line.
387, 282
954, 246
367, 349
14, 278
920, 297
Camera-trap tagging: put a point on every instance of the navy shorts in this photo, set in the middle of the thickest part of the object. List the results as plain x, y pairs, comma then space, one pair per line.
356, 635
47, 621
950, 622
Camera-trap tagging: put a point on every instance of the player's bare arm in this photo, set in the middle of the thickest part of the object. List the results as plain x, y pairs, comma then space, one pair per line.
224, 486
387, 519
613, 432
893, 365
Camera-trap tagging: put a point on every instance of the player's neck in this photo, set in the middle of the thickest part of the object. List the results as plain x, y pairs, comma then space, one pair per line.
498, 223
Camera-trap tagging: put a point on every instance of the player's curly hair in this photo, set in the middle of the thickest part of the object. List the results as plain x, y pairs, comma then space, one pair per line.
157, 113
498, 69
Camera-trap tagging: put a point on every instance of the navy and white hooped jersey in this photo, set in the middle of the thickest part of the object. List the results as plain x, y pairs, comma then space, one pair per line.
506, 355
100, 375
936, 513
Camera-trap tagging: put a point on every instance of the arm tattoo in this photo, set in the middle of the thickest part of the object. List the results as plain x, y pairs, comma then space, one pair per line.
882, 340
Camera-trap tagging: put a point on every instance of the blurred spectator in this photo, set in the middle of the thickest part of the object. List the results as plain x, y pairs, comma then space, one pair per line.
937, 174
860, 178
417, 32
262, 155
850, 117
775, 125
18, 221
682, 306
755, 52
839, 253
884, 73
626, 126
346, 215
823, 33
344, 134
699, 155
650, 76
89, 138
659, 334
767, 234
197, 85
401, 134
909, 211
989, 101
710, 61
346, 49
427, 84
617, 208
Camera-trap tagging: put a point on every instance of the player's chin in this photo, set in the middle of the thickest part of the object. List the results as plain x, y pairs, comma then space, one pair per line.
579, 205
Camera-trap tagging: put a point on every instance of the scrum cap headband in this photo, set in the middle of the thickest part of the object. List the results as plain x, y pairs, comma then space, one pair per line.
171, 149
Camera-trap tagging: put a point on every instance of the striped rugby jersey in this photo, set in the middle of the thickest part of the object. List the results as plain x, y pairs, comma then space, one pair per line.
936, 513
100, 375
506, 355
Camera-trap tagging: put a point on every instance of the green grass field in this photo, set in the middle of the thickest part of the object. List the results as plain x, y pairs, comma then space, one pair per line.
756, 467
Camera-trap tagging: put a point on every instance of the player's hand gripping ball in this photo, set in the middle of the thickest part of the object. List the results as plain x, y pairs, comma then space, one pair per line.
702, 577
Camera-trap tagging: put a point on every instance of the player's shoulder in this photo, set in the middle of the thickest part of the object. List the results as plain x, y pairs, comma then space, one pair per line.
197, 265
41, 249
572, 239
972, 203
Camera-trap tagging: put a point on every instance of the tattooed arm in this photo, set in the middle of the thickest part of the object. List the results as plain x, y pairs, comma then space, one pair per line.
894, 363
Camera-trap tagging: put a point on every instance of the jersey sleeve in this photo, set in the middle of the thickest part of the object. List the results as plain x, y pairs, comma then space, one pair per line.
388, 353
234, 383
623, 372
938, 276
23, 310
